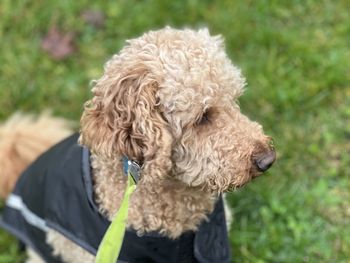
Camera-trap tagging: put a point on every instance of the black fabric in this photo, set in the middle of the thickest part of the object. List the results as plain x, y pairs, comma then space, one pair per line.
155, 248
69, 208
211, 240
13, 222
57, 188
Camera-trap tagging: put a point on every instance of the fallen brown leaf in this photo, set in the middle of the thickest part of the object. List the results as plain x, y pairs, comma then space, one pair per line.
57, 44
94, 18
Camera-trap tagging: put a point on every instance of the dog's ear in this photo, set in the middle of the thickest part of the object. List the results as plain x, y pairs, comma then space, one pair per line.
123, 118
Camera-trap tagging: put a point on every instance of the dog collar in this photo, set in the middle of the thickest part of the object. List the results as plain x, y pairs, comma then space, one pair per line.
132, 168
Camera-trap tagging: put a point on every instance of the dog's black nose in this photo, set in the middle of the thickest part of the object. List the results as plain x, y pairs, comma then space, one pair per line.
263, 161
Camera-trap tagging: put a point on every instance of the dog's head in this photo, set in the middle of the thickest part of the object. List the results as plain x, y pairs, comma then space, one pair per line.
168, 100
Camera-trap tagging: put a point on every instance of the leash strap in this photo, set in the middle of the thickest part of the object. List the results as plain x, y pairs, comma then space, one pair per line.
109, 248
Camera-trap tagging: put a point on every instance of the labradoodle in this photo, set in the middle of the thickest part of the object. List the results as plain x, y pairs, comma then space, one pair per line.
167, 101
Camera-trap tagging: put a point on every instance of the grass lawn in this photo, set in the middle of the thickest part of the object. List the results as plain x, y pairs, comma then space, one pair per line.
296, 57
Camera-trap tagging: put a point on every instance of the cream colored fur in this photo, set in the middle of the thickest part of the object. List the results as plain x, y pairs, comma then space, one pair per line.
22, 139
66, 249
33, 257
167, 100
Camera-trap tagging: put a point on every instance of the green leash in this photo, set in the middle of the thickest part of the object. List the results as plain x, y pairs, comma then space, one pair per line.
109, 248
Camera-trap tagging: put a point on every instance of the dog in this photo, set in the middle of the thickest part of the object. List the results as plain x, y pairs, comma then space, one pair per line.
168, 101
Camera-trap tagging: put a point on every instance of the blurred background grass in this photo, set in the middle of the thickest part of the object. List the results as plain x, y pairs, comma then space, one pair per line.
296, 57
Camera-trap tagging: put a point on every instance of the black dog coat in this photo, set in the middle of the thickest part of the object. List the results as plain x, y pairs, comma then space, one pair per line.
56, 192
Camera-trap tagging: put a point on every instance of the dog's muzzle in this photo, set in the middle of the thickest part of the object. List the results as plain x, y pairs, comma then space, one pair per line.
264, 161
263, 158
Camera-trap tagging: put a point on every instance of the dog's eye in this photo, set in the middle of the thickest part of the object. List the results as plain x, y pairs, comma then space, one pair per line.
205, 119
